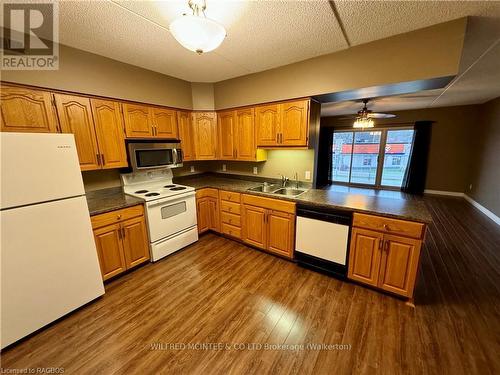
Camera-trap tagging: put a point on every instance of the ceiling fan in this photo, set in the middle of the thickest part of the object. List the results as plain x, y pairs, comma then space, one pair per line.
364, 117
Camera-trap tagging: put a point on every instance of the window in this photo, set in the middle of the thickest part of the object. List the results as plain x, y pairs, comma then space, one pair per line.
368, 157
396, 160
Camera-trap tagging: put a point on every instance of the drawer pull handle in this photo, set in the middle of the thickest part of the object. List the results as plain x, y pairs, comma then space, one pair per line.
386, 227
118, 217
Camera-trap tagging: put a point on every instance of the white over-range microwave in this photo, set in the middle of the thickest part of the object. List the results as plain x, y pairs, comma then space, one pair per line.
144, 155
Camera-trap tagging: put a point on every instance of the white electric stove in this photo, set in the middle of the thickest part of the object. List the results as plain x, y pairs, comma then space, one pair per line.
170, 210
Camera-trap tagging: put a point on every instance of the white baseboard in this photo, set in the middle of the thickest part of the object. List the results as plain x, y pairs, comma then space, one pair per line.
442, 192
483, 209
480, 207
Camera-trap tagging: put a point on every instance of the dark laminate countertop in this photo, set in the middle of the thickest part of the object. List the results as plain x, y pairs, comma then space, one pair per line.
411, 208
105, 200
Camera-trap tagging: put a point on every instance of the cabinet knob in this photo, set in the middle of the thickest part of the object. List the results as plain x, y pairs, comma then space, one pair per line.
118, 217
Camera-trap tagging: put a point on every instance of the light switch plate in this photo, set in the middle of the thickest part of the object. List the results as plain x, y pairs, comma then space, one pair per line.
224, 168
255, 170
192, 168
307, 175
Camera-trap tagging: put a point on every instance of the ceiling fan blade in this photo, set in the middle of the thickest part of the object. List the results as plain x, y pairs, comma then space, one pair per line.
381, 115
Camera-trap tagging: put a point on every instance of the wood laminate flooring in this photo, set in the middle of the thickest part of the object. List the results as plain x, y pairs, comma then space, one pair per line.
220, 291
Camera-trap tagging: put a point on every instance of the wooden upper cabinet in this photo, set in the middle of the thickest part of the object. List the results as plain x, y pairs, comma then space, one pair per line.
245, 134
138, 122
365, 255
281, 233
75, 117
27, 110
108, 124
110, 250
186, 135
267, 119
135, 241
254, 226
294, 123
205, 135
399, 264
227, 134
164, 123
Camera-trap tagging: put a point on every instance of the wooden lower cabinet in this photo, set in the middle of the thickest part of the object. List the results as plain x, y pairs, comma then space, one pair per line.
121, 240
364, 263
387, 261
281, 233
255, 226
268, 224
207, 210
110, 250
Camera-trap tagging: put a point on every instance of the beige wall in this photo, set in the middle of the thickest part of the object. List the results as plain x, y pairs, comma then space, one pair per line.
279, 162
450, 149
88, 73
484, 149
427, 53
203, 96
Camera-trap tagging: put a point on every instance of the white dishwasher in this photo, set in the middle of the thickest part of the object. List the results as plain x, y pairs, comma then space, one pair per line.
322, 239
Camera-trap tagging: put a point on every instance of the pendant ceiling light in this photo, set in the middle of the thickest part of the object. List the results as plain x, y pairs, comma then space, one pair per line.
196, 32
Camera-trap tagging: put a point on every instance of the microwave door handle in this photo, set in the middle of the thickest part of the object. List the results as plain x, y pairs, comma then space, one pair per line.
174, 150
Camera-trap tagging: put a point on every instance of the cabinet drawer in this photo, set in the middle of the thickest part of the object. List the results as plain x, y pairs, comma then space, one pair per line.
233, 208
386, 225
231, 230
270, 203
207, 192
116, 216
230, 196
232, 219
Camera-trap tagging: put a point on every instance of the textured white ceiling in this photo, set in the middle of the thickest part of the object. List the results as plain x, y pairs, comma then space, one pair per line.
261, 34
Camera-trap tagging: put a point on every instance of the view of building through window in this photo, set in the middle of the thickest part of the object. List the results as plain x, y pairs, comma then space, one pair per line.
356, 156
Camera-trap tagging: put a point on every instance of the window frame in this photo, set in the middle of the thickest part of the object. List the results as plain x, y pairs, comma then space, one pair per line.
380, 158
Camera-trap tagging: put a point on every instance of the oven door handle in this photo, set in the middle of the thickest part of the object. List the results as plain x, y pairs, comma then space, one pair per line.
170, 201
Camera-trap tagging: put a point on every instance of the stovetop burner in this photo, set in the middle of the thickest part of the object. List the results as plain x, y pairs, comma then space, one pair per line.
140, 191
152, 194
169, 186
178, 188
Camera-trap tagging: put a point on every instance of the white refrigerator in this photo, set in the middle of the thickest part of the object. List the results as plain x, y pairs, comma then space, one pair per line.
49, 264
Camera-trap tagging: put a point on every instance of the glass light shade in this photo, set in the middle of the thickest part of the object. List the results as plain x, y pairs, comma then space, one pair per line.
363, 122
198, 34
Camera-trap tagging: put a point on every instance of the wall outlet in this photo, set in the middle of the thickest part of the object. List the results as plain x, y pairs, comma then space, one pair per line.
224, 168
307, 175
192, 168
255, 170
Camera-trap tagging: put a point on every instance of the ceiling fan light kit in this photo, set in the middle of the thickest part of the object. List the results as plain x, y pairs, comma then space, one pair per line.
196, 32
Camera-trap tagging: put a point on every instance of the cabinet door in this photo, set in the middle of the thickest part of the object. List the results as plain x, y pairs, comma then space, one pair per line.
294, 123
205, 135
267, 125
364, 256
135, 241
281, 232
186, 135
245, 135
110, 250
227, 127
110, 134
75, 116
254, 226
203, 214
26, 110
213, 214
399, 265
137, 119
165, 123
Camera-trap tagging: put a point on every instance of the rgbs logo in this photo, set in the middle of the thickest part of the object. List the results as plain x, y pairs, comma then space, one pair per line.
30, 36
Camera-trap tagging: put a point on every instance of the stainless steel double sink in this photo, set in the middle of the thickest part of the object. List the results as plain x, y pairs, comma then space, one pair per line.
277, 189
